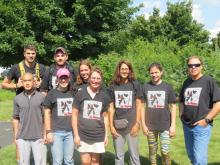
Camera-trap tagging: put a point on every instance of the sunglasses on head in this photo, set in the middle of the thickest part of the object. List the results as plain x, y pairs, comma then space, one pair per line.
193, 65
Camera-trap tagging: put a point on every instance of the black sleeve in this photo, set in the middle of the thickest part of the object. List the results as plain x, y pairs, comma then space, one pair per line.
11, 73
110, 91
16, 110
214, 91
76, 101
45, 81
171, 95
48, 100
138, 90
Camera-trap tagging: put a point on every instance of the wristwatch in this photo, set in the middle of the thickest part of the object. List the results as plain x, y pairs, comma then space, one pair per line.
208, 121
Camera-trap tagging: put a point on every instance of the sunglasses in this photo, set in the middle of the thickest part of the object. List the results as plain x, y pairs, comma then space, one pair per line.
194, 65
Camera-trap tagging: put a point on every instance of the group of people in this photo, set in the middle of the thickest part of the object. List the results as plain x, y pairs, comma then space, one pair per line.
66, 110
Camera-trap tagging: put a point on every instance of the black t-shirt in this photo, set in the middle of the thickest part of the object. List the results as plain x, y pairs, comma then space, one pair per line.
158, 98
50, 78
91, 125
14, 73
60, 104
124, 98
198, 97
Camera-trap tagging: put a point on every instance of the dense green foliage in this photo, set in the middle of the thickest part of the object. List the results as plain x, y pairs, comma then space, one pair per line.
81, 26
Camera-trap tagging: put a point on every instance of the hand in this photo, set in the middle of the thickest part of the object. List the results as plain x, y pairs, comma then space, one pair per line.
106, 140
49, 137
77, 141
19, 83
201, 123
135, 130
38, 83
145, 130
114, 132
172, 132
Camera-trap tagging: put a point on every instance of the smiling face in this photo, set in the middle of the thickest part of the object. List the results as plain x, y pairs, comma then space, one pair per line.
95, 80
30, 55
63, 81
124, 71
155, 74
60, 58
84, 72
195, 68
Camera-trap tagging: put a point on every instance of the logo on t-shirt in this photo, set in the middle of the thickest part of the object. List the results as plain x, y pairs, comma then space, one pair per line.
192, 95
156, 99
64, 106
123, 99
92, 109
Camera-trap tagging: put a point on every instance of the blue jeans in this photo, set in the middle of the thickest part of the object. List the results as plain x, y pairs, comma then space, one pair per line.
196, 141
62, 148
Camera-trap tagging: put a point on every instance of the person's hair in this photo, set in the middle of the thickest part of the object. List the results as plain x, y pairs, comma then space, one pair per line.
30, 47
117, 78
194, 57
97, 70
155, 64
79, 79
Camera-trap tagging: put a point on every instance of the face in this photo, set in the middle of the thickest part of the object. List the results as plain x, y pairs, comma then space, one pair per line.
60, 58
63, 81
30, 55
124, 71
28, 82
155, 74
95, 80
84, 72
194, 68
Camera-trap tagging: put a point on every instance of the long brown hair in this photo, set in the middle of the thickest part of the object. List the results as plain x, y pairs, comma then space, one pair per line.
117, 78
79, 79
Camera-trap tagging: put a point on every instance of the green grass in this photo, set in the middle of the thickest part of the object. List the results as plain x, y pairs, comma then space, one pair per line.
6, 110
6, 94
178, 153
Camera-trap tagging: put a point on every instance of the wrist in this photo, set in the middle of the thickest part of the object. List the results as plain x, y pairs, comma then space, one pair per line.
207, 120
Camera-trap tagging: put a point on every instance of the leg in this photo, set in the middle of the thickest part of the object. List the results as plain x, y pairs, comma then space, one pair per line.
85, 158
57, 148
201, 140
119, 150
152, 144
133, 149
24, 149
188, 136
68, 148
39, 152
165, 147
95, 159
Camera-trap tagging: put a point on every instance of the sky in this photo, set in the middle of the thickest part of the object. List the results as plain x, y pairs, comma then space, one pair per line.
206, 12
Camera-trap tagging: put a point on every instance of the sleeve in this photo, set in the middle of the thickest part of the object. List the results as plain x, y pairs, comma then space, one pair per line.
138, 90
45, 81
214, 91
48, 100
143, 87
107, 101
171, 95
42, 70
110, 93
16, 110
76, 102
181, 94
11, 72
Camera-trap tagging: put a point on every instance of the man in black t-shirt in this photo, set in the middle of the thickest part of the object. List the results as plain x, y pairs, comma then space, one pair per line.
29, 65
199, 104
50, 78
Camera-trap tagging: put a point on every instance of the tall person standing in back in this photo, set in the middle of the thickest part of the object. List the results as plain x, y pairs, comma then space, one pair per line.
199, 104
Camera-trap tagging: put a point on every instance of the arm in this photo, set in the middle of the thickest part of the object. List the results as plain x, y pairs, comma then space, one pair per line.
8, 84
105, 115
172, 130
47, 125
135, 128
181, 107
15, 124
211, 115
75, 113
144, 126
111, 112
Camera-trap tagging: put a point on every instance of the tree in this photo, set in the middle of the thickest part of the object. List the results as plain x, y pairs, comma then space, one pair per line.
81, 26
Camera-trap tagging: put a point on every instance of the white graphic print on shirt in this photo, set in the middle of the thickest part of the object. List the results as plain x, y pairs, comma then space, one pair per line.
156, 99
92, 109
54, 82
123, 99
64, 106
192, 95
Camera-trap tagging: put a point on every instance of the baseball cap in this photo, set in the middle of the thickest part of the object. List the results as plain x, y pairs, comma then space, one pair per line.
63, 50
63, 72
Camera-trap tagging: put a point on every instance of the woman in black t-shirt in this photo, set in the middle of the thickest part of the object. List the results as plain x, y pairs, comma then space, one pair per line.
124, 112
89, 119
157, 120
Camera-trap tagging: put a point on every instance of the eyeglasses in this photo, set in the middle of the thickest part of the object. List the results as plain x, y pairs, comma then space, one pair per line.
194, 65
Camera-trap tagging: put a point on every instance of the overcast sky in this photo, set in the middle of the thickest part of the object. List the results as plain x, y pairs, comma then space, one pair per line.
206, 12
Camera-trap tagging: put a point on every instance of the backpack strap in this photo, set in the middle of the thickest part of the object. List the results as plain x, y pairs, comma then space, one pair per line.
21, 68
37, 71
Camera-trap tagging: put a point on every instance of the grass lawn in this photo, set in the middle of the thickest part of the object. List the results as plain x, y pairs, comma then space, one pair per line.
178, 153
